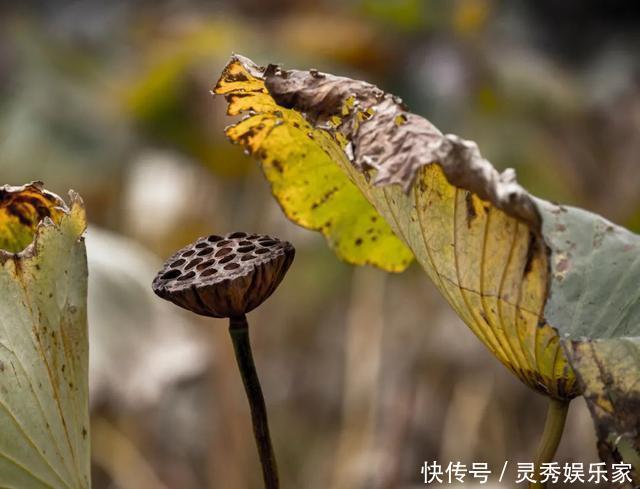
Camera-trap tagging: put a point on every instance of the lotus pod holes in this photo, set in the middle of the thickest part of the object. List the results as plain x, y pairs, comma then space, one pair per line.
226, 277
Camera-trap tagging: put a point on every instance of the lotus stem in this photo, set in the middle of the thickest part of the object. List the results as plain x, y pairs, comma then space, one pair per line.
553, 428
239, 330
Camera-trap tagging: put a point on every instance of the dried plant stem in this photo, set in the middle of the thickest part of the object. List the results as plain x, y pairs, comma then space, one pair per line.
553, 428
239, 330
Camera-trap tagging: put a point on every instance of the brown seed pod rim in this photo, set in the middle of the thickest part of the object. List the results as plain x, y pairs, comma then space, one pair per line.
217, 259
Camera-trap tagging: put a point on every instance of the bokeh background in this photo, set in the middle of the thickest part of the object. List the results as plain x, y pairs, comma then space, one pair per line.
366, 375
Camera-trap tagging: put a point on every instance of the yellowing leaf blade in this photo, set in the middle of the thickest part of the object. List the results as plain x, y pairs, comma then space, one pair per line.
475, 232
519, 271
298, 161
608, 370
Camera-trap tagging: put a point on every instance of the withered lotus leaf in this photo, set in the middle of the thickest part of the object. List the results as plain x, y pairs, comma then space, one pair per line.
527, 276
44, 400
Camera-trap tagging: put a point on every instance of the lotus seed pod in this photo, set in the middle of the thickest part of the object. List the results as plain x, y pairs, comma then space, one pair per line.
224, 276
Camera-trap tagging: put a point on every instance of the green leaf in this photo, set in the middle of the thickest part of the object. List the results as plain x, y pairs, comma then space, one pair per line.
595, 298
44, 418
595, 270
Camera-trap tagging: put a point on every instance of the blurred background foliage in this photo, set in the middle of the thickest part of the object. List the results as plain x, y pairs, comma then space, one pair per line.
366, 375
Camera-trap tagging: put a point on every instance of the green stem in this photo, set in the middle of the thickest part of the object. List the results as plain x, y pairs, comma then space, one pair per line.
553, 428
239, 330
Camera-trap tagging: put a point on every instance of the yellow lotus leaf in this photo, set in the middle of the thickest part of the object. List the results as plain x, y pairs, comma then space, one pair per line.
549, 289
476, 234
298, 160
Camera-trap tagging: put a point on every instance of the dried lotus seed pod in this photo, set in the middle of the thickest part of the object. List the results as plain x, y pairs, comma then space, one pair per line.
224, 276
